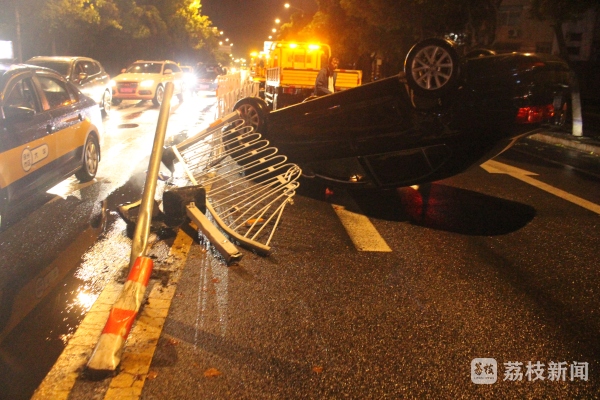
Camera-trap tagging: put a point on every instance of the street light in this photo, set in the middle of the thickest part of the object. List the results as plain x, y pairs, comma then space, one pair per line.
277, 20
287, 5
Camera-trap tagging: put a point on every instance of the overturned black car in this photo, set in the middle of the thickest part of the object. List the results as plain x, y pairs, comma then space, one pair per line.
434, 120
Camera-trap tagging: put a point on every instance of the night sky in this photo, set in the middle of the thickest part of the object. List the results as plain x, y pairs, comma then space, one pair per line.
248, 23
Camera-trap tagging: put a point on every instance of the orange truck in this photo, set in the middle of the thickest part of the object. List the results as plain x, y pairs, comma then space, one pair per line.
292, 69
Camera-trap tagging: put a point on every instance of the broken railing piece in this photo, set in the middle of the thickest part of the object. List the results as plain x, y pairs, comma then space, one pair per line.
247, 183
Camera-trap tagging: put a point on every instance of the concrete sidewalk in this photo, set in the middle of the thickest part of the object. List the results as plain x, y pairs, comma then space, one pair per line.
589, 143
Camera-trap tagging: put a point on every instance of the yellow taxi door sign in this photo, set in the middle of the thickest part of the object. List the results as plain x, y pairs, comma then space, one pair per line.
30, 157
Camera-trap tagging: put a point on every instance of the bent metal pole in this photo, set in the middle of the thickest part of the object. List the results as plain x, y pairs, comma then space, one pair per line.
142, 228
107, 354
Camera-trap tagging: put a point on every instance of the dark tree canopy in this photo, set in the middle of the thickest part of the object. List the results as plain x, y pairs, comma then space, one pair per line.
114, 31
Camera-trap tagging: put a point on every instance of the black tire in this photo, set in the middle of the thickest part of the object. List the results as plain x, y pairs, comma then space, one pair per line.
159, 96
89, 160
116, 102
432, 67
253, 111
106, 102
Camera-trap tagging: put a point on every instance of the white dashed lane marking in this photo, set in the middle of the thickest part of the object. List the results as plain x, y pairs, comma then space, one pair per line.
360, 229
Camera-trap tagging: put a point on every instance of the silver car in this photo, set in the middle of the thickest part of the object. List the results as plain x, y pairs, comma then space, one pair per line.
86, 73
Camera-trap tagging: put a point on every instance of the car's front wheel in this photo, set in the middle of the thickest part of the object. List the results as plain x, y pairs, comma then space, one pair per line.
432, 67
159, 96
106, 102
253, 111
90, 160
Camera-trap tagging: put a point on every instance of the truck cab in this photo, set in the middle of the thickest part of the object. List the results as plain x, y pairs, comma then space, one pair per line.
292, 68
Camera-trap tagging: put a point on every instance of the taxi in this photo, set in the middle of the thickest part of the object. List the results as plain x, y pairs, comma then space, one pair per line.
49, 131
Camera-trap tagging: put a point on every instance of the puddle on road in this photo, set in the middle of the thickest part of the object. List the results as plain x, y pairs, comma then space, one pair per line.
45, 310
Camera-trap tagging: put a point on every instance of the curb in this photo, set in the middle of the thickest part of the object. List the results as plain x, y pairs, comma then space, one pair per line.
585, 144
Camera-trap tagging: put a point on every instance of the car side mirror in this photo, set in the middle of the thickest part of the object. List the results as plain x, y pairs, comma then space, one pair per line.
123, 70
18, 114
81, 76
168, 72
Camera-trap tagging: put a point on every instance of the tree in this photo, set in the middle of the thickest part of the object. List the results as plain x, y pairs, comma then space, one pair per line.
360, 29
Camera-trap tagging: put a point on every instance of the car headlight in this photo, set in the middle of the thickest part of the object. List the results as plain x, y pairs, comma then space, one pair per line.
112, 83
147, 83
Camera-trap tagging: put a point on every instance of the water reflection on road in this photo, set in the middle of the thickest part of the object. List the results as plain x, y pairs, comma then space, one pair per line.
58, 253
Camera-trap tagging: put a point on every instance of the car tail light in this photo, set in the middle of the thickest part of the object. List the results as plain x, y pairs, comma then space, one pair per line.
534, 114
289, 90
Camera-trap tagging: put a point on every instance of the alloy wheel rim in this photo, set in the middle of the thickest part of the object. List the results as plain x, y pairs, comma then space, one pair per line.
91, 158
432, 67
250, 115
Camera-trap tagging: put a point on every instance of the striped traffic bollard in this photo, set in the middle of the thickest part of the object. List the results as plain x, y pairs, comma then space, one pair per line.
108, 351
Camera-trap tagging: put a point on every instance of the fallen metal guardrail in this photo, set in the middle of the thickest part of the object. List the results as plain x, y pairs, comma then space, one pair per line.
232, 92
247, 183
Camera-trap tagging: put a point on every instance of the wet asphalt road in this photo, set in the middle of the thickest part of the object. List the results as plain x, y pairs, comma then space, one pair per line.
59, 250
482, 265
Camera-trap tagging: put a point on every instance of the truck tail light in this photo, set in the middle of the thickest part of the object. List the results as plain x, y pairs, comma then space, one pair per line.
534, 114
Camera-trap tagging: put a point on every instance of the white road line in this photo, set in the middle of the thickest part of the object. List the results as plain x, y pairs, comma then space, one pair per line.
361, 231
142, 340
495, 167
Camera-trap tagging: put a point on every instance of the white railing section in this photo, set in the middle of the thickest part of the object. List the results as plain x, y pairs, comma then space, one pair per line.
247, 183
232, 88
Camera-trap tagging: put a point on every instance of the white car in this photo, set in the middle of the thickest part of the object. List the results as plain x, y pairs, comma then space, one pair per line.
145, 80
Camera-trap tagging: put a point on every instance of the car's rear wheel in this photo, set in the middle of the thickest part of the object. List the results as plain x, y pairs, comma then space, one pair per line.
432, 67
253, 111
159, 96
106, 101
91, 159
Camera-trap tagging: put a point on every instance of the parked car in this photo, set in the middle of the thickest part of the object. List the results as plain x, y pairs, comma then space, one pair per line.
434, 120
208, 77
49, 130
145, 80
86, 73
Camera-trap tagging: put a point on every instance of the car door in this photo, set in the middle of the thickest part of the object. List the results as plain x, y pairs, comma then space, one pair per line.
26, 153
66, 123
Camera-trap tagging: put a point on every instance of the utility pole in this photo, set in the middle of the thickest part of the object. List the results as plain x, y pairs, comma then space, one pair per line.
18, 28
